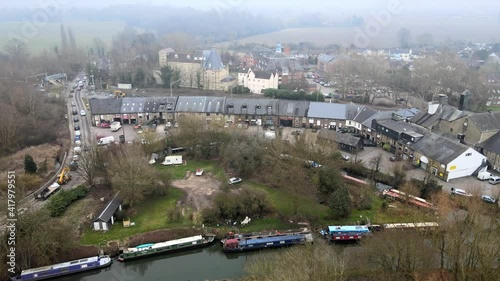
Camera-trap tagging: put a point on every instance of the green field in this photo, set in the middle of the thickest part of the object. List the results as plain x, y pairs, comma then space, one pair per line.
151, 215
179, 171
49, 36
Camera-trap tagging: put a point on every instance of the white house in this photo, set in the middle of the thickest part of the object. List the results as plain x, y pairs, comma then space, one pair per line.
257, 81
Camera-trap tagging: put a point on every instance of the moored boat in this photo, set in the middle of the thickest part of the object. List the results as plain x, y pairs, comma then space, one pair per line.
65, 268
165, 247
249, 242
345, 233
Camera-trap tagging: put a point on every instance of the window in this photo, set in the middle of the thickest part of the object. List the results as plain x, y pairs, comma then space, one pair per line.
468, 154
208, 114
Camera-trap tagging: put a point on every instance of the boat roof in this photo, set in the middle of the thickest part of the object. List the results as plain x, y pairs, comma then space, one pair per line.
269, 239
167, 243
350, 228
59, 265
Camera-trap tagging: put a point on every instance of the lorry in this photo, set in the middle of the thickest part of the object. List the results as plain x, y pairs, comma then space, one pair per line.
172, 160
64, 177
115, 126
106, 140
48, 191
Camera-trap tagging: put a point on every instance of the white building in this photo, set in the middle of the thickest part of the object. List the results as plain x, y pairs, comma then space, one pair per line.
257, 81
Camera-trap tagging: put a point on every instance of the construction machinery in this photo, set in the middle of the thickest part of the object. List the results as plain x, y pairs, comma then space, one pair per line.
64, 177
119, 94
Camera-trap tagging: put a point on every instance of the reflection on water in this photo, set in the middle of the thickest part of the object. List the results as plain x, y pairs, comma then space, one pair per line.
208, 263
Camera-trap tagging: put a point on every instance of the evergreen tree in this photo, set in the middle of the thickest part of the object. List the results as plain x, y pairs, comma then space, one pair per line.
29, 164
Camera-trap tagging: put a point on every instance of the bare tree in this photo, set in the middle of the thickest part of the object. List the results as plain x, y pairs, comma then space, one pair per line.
375, 162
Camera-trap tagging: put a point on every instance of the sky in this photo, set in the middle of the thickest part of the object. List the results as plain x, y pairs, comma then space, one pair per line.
320, 5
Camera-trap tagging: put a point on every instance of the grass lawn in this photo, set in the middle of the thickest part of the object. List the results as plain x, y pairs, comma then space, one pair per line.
179, 172
150, 215
494, 108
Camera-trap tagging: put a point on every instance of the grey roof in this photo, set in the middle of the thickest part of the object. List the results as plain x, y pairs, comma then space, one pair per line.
439, 148
132, 105
487, 121
214, 104
160, 104
327, 110
492, 144
364, 114
110, 209
324, 58
180, 57
444, 112
339, 137
253, 106
293, 108
380, 115
262, 74
105, 106
212, 61
402, 127
190, 104
228, 78
285, 64
406, 112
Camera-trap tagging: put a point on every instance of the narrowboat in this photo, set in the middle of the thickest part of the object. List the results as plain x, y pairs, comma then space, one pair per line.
250, 243
165, 247
345, 233
65, 268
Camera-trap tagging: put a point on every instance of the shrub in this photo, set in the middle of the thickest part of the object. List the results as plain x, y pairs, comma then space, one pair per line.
60, 201
29, 164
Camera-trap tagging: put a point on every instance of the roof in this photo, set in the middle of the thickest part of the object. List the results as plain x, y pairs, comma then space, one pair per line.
492, 144
214, 104
132, 105
327, 110
160, 104
181, 57
402, 127
348, 228
270, 239
190, 104
167, 50
324, 58
212, 60
228, 78
105, 106
487, 121
262, 74
444, 112
364, 114
293, 108
110, 209
380, 115
339, 137
439, 148
406, 112
253, 106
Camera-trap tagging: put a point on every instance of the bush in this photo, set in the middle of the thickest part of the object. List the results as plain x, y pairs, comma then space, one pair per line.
29, 164
60, 201
340, 203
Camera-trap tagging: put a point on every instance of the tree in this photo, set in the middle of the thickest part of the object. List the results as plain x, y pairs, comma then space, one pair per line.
404, 38
482, 54
29, 164
330, 180
17, 50
10, 129
244, 155
167, 73
131, 174
375, 162
90, 164
240, 89
317, 96
340, 202
318, 261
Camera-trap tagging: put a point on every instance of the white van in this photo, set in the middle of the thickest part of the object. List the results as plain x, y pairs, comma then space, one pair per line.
494, 180
461, 192
484, 176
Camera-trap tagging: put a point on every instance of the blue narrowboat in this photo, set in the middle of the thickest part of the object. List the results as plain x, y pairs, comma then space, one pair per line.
65, 268
257, 243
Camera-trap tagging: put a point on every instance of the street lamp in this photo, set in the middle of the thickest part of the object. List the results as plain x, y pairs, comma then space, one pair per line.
172, 83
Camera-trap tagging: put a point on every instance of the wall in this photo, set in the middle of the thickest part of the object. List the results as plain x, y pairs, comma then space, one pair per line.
453, 127
464, 165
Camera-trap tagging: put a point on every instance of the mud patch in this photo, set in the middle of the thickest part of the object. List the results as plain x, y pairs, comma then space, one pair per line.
200, 189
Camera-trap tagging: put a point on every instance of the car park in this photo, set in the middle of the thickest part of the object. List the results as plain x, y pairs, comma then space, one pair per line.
234, 180
488, 199
494, 180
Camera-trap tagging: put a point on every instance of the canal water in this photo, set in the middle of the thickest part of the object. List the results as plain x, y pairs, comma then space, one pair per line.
208, 263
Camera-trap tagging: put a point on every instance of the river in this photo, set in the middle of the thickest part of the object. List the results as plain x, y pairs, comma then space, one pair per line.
208, 263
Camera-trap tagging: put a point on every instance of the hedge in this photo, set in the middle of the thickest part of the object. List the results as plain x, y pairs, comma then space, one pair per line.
60, 201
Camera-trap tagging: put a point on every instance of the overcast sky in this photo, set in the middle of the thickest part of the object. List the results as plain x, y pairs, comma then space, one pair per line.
347, 5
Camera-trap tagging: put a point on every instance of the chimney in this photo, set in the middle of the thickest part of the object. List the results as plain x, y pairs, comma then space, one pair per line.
432, 108
463, 104
443, 99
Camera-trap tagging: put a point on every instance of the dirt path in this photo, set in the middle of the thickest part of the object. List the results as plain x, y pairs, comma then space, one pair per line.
199, 189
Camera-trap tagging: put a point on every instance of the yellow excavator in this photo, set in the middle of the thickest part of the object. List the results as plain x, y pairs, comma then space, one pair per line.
64, 177
119, 94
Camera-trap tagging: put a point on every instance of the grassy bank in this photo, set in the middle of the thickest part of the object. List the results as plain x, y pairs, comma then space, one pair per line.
208, 166
148, 216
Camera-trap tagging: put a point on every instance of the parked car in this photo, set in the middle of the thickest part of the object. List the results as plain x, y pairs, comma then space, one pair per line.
461, 192
105, 125
234, 180
73, 103
393, 158
297, 132
345, 157
368, 143
75, 112
199, 172
77, 128
494, 180
484, 176
82, 112
488, 199
75, 119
